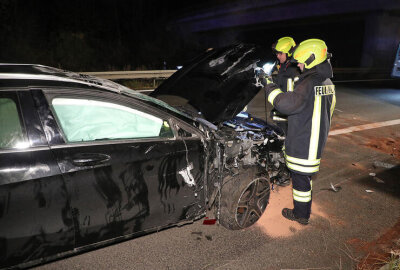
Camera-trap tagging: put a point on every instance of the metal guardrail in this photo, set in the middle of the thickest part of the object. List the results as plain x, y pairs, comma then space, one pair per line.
163, 74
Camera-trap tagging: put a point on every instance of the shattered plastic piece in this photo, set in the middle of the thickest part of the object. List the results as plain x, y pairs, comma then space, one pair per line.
209, 221
372, 174
384, 165
378, 180
335, 189
369, 191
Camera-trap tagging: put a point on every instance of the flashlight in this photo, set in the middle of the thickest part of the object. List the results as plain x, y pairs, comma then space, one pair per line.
268, 67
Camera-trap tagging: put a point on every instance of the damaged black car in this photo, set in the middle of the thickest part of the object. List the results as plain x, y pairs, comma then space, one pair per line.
86, 162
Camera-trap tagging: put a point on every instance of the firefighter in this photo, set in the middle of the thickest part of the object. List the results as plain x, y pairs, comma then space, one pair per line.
286, 74
309, 109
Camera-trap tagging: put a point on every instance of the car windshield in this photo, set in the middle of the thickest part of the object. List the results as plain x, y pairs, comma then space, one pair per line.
158, 102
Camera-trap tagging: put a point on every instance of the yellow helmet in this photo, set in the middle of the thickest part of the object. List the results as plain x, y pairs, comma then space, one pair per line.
284, 45
310, 52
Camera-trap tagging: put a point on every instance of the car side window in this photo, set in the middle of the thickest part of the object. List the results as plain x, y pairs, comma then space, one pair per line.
85, 120
11, 129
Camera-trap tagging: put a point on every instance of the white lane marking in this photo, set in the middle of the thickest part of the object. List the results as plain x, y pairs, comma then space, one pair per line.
338, 110
364, 127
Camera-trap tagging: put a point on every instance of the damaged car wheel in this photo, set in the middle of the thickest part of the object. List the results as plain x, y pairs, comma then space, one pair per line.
244, 198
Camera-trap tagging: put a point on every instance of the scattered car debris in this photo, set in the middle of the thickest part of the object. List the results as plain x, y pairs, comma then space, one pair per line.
380, 164
335, 189
378, 180
209, 221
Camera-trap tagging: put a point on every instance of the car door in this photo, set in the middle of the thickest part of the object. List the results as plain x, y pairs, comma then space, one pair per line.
121, 161
35, 216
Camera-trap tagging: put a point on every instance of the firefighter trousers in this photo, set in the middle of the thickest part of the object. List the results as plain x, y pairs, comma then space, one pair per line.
302, 195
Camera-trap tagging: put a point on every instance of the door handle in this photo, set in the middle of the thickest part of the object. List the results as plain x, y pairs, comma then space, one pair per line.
89, 159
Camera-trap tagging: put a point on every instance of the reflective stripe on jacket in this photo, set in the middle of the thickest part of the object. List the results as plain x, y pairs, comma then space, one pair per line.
288, 74
285, 78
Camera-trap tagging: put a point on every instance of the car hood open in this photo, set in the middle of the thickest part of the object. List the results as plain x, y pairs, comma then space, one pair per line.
219, 83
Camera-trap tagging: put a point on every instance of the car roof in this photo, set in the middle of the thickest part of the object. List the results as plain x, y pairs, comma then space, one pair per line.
36, 75
34, 72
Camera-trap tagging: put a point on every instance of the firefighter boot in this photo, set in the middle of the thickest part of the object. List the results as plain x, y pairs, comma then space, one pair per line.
288, 213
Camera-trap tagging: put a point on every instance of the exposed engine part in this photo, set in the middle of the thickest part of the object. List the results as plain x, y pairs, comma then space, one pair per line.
235, 149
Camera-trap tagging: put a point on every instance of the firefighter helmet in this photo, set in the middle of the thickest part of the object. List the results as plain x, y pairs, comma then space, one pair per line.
284, 45
310, 52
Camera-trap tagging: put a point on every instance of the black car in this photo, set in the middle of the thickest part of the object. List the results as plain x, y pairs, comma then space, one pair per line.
86, 162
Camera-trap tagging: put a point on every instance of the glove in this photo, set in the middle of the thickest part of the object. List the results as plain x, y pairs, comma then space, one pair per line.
275, 113
268, 80
261, 79
268, 83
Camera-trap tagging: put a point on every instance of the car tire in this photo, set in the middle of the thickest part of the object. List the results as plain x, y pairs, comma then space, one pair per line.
244, 198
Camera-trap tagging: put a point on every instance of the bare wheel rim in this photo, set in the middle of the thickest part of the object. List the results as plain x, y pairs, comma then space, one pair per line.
252, 202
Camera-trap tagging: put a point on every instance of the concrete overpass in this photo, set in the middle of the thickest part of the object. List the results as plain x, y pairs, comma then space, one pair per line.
371, 28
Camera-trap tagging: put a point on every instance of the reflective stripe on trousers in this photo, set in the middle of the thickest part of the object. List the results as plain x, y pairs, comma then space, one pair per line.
302, 165
302, 195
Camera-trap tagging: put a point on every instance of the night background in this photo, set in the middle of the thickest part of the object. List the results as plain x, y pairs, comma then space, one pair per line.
104, 35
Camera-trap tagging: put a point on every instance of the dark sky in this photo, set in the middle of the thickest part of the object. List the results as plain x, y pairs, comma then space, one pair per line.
92, 34
97, 35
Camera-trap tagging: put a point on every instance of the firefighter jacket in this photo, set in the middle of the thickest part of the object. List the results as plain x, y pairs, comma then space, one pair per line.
309, 109
287, 75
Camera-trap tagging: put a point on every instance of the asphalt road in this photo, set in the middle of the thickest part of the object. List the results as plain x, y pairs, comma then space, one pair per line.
350, 228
